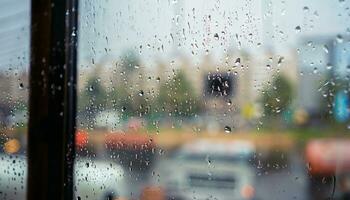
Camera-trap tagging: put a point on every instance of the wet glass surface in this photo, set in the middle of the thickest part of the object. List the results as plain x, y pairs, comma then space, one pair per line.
196, 99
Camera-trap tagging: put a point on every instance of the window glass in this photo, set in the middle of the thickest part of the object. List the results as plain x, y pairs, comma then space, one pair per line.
214, 99
14, 65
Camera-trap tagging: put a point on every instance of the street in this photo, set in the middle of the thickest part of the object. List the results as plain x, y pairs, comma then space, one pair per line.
289, 183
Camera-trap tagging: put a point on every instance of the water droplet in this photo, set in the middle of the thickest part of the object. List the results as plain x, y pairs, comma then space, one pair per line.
21, 86
208, 160
280, 60
283, 12
141, 93
325, 48
216, 36
339, 38
297, 29
306, 9
315, 70
229, 102
227, 129
123, 109
308, 165
238, 61
91, 88
329, 66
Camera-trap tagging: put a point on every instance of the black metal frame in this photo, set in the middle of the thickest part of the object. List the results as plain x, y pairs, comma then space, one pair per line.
52, 99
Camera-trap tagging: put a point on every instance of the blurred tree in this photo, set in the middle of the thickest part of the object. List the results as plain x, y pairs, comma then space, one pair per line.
93, 98
126, 97
277, 97
129, 63
177, 97
129, 103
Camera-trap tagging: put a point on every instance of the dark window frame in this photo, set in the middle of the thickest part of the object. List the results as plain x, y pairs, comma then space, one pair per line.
52, 99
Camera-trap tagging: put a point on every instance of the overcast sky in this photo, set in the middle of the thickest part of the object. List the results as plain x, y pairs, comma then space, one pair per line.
14, 34
153, 28
239, 24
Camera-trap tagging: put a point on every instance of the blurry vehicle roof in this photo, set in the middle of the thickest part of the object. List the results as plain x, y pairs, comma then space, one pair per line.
129, 141
327, 156
229, 148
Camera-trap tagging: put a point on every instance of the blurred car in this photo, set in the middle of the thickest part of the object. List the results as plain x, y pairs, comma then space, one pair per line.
329, 168
208, 170
131, 150
94, 179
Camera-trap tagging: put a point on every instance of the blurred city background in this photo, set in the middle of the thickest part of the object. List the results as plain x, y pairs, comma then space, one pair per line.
196, 99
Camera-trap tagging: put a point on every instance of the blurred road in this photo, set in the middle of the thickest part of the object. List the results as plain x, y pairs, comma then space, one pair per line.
286, 184
289, 183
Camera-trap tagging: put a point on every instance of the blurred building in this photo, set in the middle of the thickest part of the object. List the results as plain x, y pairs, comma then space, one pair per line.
14, 94
233, 86
322, 61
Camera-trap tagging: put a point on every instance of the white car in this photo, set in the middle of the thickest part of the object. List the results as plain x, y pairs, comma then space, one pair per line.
94, 179
208, 170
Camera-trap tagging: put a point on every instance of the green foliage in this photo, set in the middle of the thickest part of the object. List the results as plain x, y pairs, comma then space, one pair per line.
120, 100
277, 97
129, 103
93, 98
128, 62
177, 97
